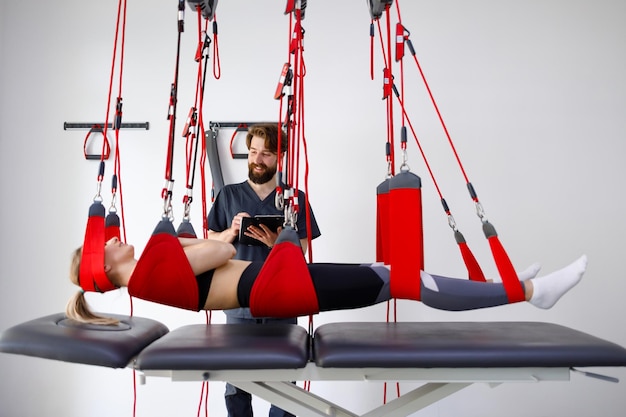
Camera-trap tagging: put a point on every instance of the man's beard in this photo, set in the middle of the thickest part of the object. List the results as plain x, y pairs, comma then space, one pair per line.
263, 177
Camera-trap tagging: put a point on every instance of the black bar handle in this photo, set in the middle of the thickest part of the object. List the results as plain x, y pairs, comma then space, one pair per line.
69, 126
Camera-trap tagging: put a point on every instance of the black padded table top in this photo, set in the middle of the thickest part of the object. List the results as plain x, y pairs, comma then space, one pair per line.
228, 346
334, 345
55, 337
460, 345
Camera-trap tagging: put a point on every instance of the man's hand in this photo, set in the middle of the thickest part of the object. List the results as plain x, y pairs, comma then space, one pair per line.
263, 234
235, 225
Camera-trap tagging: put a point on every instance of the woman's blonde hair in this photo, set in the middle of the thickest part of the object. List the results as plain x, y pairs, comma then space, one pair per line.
77, 308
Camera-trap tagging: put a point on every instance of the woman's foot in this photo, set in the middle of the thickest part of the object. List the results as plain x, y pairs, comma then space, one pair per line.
530, 272
548, 289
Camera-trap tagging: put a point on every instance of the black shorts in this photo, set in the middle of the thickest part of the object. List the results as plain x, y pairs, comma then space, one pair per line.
204, 284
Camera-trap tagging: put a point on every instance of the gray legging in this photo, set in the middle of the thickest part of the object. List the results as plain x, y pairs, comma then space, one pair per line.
455, 294
344, 286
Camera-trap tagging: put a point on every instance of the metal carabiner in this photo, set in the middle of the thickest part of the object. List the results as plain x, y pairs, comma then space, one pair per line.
98, 196
186, 211
452, 223
480, 212
405, 166
112, 208
291, 217
166, 194
187, 204
287, 213
389, 170
279, 201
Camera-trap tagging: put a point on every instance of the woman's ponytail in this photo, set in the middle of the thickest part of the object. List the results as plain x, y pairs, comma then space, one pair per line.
78, 310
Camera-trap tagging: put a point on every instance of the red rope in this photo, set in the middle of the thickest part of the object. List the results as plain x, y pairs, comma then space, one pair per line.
117, 29
173, 101
199, 134
372, 49
217, 68
134, 392
474, 270
292, 114
505, 268
443, 124
117, 164
116, 183
204, 389
390, 151
388, 64
294, 121
195, 113
204, 398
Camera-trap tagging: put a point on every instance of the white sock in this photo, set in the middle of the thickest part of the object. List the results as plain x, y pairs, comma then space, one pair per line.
549, 288
530, 272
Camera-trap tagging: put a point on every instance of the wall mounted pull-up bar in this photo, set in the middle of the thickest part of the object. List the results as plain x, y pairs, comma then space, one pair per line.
69, 126
99, 128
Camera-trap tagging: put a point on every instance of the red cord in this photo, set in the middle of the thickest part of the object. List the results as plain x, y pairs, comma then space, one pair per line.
372, 49
117, 29
217, 68
387, 73
134, 392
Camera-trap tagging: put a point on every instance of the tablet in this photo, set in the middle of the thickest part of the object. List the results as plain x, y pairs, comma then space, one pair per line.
273, 222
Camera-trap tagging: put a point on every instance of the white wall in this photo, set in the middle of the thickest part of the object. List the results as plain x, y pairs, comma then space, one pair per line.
533, 94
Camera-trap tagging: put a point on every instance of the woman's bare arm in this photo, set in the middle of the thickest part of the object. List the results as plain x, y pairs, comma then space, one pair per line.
206, 254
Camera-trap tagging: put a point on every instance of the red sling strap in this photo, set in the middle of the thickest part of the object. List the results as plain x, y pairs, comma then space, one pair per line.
382, 222
112, 226
283, 287
507, 272
473, 268
512, 285
91, 274
163, 273
406, 235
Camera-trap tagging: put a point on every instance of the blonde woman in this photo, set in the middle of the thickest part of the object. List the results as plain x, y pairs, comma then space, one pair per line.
198, 274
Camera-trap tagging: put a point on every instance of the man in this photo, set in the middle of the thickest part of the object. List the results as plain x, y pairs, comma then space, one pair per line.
255, 196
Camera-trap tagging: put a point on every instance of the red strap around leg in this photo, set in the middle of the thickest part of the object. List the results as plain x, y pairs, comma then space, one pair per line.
512, 285
474, 271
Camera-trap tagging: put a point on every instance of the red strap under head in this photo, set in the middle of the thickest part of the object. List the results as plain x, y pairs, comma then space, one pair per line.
112, 226
91, 275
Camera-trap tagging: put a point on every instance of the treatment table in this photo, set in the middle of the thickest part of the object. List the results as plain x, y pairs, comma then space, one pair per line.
445, 356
